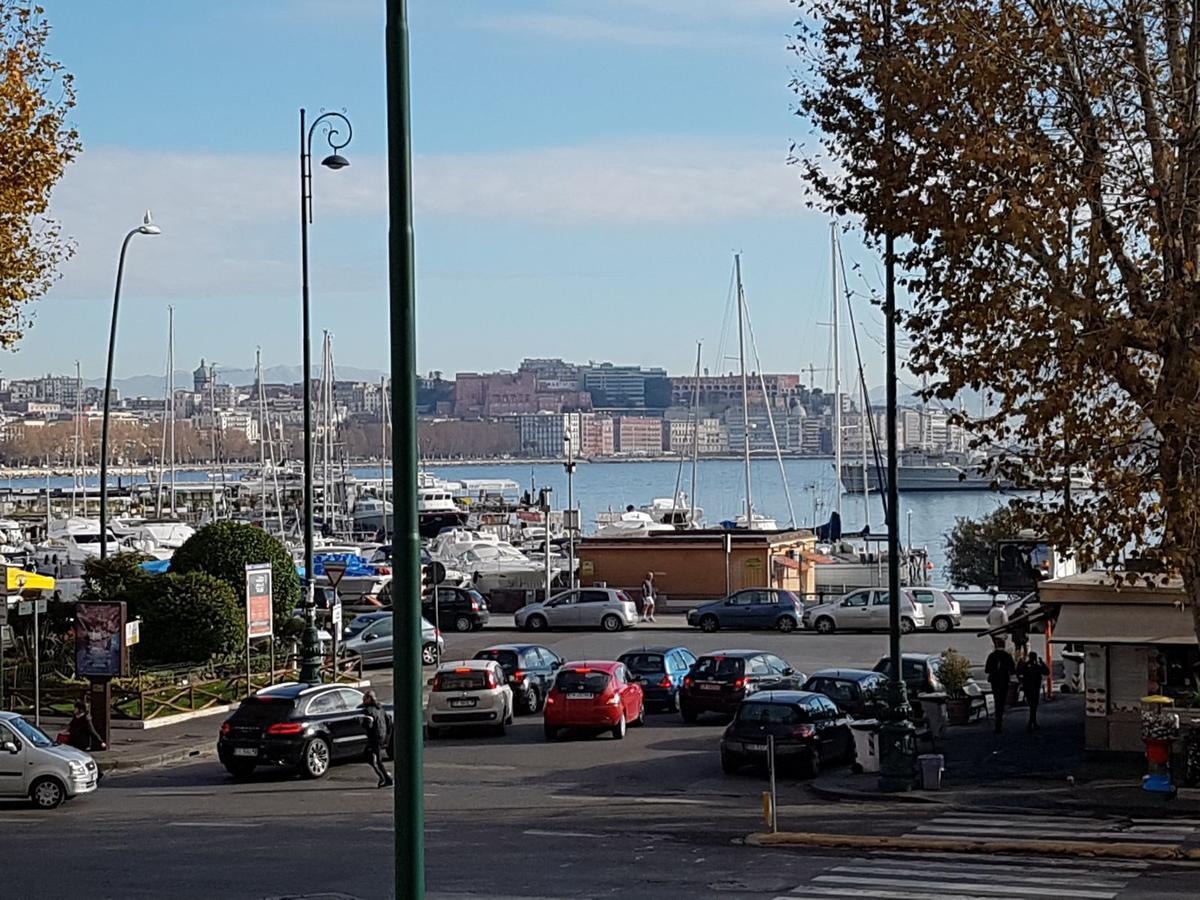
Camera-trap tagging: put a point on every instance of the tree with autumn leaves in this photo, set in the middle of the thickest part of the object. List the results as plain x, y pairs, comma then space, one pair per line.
36, 145
1038, 164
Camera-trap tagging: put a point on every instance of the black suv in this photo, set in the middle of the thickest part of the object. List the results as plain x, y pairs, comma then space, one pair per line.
530, 670
302, 726
856, 692
719, 681
462, 609
808, 730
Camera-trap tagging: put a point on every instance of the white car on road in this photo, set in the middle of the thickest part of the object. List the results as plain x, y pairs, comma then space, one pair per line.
466, 693
33, 766
606, 608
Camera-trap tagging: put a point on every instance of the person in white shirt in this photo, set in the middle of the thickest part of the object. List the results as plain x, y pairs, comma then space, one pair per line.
997, 617
648, 598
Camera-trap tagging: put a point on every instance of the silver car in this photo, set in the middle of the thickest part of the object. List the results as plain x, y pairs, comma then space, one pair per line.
607, 608
374, 643
864, 610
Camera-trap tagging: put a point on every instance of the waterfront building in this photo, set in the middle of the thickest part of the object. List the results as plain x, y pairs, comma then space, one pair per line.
543, 435
641, 435
596, 437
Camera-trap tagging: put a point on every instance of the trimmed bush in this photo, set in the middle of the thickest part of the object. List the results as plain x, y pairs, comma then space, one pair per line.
188, 618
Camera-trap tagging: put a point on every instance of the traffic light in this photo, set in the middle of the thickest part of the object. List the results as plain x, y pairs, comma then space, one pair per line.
427, 582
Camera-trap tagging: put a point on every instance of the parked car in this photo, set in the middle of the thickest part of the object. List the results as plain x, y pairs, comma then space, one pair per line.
467, 693
593, 696
809, 730
355, 626
863, 610
33, 766
857, 692
942, 611
920, 674
751, 608
301, 726
463, 609
660, 671
719, 681
606, 608
529, 670
979, 603
374, 643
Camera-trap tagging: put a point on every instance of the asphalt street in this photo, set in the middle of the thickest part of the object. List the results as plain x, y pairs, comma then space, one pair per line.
650, 817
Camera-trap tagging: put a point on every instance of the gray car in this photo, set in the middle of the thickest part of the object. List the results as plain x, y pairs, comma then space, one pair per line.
607, 608
374, 643
864, 610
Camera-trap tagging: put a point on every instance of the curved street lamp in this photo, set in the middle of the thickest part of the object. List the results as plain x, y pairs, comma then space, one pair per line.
147, 227
310, 650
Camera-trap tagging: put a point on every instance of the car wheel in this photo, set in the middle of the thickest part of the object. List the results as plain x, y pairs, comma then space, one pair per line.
314, 761
429, 654
536, 623
811, 766
709, 623
907, 626
462, 623
47, 793
942, 624
611, 623
532, 701
786, 624
641, 716
241, 769
618, 730
730, 764
825, 625
432, 733
687, 713
551, 732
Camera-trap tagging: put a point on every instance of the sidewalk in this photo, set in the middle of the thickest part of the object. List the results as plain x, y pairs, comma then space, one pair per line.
1043, 770
132, 750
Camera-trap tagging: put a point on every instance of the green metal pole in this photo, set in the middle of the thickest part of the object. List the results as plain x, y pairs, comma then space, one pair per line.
406, 549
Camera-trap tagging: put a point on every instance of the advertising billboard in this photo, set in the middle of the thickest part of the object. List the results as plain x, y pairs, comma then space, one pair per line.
259, 606
99, 639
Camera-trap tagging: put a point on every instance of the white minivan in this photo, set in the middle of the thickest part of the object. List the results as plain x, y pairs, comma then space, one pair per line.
33, 766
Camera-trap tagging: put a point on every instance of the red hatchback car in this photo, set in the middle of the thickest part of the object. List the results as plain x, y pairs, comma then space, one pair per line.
595, 696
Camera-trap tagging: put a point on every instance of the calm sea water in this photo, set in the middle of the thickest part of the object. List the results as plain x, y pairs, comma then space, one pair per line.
720, 492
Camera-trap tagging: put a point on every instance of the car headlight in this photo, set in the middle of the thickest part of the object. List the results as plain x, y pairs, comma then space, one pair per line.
78, 769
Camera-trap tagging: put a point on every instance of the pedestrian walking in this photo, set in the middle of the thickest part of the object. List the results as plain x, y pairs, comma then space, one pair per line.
1020, 636
999, 669
1030, 674
377, 735
997, 617
81, 733
648, 595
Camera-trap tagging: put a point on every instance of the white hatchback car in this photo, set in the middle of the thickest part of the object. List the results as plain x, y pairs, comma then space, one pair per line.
609, 609
469, 692
33, 766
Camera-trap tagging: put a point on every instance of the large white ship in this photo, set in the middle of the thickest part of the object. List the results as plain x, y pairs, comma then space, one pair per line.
927, 471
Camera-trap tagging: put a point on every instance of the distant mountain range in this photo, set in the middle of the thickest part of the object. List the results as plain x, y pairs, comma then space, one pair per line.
152, 385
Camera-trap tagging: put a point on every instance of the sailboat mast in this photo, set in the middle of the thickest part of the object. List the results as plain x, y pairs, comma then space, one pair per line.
737, 264
262, 433
171, 398
837, 376
212, 434
162, 455
77, 456
695, 436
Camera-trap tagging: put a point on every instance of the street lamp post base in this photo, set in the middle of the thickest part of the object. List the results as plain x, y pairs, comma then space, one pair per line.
897, 744
310, 656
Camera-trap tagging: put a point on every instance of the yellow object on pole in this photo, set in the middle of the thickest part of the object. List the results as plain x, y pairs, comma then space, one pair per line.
766, 806
20, 580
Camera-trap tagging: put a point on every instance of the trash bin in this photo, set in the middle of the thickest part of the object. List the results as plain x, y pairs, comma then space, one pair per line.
931, 765
1072, 682
866, 744
933, 711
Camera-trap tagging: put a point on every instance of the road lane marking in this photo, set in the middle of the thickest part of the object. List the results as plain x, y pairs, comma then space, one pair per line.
985, 863
215, 824
1030, 876
1010, 890
537, 832
995, 834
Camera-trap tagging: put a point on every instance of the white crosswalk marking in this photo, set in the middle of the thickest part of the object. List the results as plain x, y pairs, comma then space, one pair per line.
985, 828
896, 875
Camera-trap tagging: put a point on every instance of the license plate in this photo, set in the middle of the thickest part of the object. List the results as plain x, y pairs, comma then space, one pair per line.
757, 748
462, 703
710, 687
579, 696
245, 751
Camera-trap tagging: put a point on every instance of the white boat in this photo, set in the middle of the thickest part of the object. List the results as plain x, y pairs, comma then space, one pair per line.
73, 540
436, 508
633, 523
757, 522
159, 538
677, 512
921, 470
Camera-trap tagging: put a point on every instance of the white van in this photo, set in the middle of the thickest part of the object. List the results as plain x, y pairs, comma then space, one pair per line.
33, 766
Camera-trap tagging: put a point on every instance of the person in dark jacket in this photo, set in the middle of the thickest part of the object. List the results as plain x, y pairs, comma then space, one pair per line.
999, 669
1030, 673
81, 733
377, 735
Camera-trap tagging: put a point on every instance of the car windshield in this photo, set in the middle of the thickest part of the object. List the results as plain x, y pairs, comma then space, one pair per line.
720, 667
506, 658
471, 680
35, 736
643, 663
774, 713
578, 681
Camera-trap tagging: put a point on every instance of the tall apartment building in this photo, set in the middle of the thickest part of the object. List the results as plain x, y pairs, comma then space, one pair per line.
596, 436
544, 435
626, 387
711, 435
638, 435
721, 391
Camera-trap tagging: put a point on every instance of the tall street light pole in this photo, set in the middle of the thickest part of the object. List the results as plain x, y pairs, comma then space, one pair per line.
310, 649
569, 465
409, 799
147, 227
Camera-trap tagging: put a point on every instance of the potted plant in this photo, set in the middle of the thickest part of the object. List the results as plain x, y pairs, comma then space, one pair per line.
955, 674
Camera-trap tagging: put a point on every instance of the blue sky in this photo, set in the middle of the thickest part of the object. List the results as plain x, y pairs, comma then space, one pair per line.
583, 173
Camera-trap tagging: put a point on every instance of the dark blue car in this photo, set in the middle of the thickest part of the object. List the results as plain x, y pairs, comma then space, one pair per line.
750, 608
660, 671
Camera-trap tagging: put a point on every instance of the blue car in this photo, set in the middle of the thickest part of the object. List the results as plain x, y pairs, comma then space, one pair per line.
748, 609
660, 671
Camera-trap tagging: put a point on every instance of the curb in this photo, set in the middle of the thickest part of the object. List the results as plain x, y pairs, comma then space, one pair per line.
119, 766
966, 845
911, 797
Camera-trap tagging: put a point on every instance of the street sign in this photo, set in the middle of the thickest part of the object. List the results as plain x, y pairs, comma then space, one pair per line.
336, 615
26, 607
571, 519
133, 632
334, 572
4, 612
259, 601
